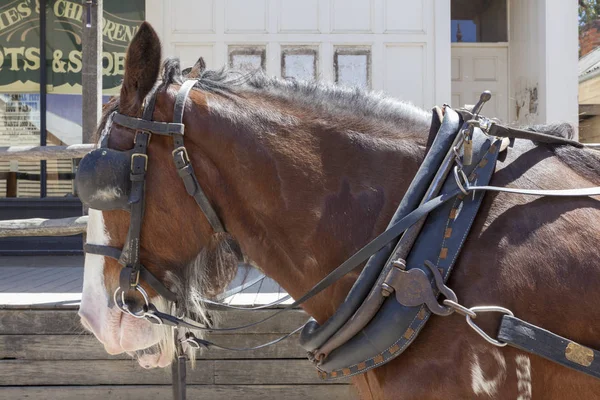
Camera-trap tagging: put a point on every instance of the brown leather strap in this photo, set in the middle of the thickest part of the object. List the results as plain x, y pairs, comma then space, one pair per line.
183, 164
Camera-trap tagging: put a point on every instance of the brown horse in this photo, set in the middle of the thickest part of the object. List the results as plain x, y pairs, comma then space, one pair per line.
303, 175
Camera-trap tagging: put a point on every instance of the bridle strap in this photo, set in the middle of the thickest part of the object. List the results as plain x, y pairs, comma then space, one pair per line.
181, 158
145, 274
130, 257
184, 166
159, 128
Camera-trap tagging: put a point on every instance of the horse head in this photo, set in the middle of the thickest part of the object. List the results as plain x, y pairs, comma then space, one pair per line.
177, 243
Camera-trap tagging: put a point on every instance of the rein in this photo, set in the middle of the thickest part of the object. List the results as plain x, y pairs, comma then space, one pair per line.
407, 217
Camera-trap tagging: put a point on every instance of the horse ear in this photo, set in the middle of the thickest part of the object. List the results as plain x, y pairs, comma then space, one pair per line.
142, 66
197, 69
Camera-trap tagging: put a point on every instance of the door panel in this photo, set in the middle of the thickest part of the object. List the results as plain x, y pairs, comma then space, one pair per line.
475, 69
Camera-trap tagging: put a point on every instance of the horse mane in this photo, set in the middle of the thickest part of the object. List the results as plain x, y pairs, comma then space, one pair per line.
324, 98
232, 83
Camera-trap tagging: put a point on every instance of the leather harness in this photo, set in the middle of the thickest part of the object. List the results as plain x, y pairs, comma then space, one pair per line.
398, 282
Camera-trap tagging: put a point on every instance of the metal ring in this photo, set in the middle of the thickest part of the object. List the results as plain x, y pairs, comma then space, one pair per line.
192, 342
123, 304
459, 308
459, 183
479, 330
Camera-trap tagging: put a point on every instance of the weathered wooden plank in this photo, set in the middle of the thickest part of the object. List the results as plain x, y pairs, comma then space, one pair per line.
66, 322
43, 227
122, 372
87, 347
265, 372
96, 372
37, 153
39, 322
589, 110
156, 392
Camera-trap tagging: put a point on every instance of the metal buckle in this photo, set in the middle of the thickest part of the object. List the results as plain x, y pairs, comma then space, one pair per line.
184, 150
147, 133
145, 156
137, 280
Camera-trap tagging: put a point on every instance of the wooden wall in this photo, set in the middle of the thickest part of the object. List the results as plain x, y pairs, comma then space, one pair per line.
45, 354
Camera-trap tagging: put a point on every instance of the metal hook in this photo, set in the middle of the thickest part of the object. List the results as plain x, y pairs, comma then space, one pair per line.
463, 184
479, 330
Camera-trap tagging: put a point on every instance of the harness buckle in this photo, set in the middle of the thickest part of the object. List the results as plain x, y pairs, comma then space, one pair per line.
134, 283
182, 150
143, 132
145, 156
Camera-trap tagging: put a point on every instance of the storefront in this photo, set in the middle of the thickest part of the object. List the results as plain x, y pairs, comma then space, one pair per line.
41, 104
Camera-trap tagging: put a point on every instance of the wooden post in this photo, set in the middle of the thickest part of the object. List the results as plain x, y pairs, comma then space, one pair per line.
91, 73
11, 184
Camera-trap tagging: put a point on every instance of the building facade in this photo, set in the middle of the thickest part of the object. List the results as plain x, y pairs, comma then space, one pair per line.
425, 51
428, 52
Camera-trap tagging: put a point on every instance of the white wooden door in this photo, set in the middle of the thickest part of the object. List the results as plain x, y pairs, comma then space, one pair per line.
478, 68
401, 47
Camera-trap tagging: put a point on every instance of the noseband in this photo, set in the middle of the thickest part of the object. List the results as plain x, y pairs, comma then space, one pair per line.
109, 179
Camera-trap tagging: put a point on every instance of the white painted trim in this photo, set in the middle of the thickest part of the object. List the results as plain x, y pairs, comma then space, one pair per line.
156, 15
561, 62
442, 52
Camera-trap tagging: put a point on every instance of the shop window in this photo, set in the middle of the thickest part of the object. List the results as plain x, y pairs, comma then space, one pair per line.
479, 21
299, 63
352, 66
22, 113
247, 58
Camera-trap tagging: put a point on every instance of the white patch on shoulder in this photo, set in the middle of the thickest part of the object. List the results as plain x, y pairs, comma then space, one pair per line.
94, 298
488, 385
524, 388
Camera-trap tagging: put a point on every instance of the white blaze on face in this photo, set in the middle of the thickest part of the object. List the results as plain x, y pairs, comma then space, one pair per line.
94, 299
116, 331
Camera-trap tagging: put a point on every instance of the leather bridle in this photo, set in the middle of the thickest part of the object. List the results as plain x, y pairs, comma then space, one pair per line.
133, 271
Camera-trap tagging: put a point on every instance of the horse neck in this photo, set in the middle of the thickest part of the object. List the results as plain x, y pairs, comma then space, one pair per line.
301, 197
